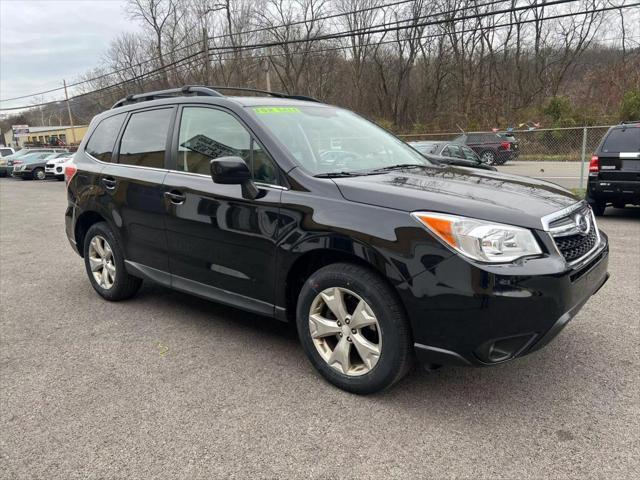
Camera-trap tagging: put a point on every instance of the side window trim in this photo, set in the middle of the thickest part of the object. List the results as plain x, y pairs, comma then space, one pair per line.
167, 153
175, 139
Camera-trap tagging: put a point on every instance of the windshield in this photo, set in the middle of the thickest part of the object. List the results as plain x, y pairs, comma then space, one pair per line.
425, 147
331, 140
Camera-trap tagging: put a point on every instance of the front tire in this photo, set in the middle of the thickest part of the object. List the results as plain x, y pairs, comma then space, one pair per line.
104, 262
38, 174
353, 328
488, 157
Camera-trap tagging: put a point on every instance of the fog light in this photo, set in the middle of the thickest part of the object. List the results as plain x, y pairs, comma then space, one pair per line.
501, 349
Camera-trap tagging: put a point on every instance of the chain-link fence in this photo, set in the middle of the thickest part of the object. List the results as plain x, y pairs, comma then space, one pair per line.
540, 145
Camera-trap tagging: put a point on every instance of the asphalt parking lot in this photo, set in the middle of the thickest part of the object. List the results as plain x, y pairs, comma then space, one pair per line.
566, 174
169, 386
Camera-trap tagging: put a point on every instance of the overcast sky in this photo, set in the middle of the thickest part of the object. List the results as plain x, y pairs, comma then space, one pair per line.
44, 41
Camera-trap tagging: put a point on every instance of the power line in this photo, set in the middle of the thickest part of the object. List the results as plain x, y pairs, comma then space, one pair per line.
440, 34
383, 29
184, 47
275, 27
176, 63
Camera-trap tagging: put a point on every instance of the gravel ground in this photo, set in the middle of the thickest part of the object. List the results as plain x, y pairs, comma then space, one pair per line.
169, 386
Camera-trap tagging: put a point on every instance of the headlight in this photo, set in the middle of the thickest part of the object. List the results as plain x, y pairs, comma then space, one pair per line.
479, 239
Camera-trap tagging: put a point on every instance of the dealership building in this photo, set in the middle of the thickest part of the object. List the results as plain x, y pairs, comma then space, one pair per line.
46, 135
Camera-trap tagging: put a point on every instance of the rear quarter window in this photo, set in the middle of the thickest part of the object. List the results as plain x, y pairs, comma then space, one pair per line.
103, 139
622, 140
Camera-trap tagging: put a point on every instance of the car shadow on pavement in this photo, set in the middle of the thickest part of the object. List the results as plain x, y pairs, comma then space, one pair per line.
626, 213
515, 387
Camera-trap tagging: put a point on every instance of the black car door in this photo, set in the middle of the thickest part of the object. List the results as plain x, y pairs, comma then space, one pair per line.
221, 245
133, 187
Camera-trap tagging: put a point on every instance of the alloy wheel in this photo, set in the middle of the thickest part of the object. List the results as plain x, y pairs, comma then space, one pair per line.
345, 331
102, 262
40, 175
489, 158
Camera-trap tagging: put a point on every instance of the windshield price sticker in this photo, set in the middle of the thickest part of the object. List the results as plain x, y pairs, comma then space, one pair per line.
268, 110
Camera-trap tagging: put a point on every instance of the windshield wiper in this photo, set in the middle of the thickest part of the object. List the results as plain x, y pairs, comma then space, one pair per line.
339, 174
400, 166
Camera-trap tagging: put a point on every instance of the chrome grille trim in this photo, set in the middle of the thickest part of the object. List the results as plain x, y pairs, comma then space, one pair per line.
569, 229
548, 219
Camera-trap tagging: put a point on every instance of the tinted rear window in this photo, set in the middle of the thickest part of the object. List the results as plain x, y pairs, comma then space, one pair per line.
101, 143
622, 140
482, 137
145, 138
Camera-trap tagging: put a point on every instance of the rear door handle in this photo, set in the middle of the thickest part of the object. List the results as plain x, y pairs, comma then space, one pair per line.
109, 182
176, 197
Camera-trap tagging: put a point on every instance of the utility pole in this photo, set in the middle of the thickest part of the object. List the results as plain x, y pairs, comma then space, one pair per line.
266, 68
205, 50
66, 96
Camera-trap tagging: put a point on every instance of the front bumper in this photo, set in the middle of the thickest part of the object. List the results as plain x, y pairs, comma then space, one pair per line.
22, 173
54, 171
612, 190
465, 315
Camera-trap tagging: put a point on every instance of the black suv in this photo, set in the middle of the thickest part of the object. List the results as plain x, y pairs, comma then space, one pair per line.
614, 170
305, 212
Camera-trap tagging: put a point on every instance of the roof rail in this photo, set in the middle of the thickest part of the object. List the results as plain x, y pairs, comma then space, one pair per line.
268, 92
172, 92
203, 91
629, 122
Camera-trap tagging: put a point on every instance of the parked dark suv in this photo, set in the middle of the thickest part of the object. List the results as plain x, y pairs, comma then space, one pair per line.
293, 209
493, 148
614, 171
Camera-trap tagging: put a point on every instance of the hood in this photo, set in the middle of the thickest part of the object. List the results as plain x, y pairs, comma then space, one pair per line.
475, 193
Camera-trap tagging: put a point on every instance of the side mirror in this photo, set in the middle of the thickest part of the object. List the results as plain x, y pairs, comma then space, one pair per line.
233, 171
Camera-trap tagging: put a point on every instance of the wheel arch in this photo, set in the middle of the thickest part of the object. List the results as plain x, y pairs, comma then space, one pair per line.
83, 223
310, 261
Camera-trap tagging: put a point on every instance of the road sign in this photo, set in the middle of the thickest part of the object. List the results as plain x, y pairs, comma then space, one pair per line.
20, 130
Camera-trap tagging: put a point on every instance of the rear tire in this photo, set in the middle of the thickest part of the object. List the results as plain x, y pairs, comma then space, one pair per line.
373, 330
104, 262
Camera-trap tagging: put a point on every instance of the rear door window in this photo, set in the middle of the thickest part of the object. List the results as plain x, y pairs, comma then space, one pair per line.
103, 139
144, 141
622, 140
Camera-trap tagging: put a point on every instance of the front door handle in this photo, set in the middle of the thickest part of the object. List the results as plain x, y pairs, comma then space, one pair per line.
109, 182
176, 197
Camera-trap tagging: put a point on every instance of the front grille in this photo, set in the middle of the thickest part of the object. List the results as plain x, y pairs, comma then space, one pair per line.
575, 232
573, 247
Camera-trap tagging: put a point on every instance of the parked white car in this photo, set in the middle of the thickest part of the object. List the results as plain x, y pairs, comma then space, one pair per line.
55, 167
6, 151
